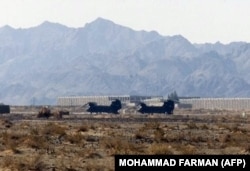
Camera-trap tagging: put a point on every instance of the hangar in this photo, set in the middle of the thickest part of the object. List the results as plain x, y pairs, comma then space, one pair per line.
104, 100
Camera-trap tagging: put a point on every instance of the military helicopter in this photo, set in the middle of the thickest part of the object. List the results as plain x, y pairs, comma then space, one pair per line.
114, 107
166, 108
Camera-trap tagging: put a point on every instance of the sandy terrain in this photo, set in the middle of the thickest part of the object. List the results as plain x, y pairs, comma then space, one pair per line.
89, 142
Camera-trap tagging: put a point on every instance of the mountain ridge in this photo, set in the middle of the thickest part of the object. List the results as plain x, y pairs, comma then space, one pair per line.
41, 63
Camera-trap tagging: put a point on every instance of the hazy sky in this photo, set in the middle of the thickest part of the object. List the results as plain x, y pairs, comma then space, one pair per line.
197, 20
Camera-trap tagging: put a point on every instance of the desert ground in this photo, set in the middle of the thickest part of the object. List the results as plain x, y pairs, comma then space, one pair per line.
84, 142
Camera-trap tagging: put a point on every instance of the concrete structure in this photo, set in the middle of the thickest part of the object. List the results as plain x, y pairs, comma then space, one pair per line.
217, 103
103, 100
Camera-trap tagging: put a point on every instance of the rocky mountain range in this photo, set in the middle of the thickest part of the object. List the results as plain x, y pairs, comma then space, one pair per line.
40, 64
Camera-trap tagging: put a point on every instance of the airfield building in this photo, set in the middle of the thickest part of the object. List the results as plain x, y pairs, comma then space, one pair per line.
216, 103
105, 100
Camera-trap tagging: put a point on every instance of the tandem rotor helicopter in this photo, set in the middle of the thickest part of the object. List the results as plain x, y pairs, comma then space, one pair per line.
167, 107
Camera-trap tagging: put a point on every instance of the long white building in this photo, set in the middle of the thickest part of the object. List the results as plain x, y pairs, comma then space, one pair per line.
103, 100
218, 103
